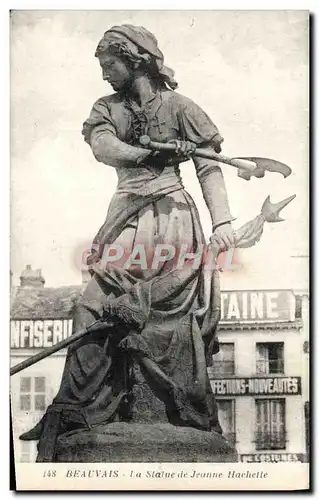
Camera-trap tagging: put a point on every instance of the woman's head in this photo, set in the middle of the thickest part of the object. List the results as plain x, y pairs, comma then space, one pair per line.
125, 49
115, 70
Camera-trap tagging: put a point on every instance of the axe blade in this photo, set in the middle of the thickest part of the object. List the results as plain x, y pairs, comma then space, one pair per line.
264, 165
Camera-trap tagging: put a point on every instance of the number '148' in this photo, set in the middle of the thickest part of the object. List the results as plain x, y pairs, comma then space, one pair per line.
49, 473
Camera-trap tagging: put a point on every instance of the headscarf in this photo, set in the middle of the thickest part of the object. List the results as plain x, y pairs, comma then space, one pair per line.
145, 42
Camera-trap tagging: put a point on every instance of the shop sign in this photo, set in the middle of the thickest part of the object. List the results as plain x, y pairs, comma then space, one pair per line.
272, 457
39, 333
259, 386
252, 305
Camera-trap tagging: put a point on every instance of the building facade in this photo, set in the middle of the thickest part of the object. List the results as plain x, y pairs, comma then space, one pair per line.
40, 317
259, 377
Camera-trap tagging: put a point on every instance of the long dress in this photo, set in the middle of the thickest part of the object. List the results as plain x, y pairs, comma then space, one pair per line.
149, 208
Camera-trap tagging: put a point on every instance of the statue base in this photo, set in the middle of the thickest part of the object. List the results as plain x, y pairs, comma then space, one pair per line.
137, 442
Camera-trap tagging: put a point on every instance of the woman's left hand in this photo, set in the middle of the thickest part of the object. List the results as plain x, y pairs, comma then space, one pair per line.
184, 149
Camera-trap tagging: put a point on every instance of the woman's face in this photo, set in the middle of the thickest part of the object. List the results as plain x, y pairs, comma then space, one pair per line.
115, 71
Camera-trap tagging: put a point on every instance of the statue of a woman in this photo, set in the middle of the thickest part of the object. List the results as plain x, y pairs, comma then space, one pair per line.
151, 308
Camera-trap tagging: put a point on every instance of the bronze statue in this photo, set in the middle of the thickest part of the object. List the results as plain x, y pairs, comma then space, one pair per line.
161, 319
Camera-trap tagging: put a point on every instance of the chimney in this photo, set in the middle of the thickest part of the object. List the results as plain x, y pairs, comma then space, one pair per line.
13, 290
31, 278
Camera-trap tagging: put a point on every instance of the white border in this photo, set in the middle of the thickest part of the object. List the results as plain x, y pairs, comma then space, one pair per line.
4, 135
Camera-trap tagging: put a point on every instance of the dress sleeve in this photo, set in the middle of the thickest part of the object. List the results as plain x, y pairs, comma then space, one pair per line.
197, 127
195, 124
99, 121
100, 133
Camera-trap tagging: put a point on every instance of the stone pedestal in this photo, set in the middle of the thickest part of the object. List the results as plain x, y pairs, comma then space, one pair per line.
135, 442
145, 436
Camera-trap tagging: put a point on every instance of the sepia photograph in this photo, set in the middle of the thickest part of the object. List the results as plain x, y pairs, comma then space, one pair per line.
159, 259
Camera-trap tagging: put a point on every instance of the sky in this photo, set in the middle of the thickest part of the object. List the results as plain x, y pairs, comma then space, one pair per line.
247, 69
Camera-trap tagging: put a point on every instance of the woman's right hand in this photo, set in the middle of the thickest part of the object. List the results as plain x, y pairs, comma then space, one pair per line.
156, 161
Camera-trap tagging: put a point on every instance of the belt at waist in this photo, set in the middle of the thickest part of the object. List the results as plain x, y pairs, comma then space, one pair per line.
153, 186
123, 207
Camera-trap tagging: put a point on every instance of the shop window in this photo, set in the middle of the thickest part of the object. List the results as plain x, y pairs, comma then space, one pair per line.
25, 455
307, 428
224, 360
270, 358
28, 451
270, 424
298, 310
226, 417
25, 402
32, 393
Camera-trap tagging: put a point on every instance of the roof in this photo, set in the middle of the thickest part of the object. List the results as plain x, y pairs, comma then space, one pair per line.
45, 303
59, 303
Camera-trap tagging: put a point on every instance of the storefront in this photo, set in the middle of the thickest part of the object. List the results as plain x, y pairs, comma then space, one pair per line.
258, 375
40, 317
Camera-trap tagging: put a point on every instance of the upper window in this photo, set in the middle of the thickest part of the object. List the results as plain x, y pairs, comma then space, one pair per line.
224, 360
32, 393
270, 358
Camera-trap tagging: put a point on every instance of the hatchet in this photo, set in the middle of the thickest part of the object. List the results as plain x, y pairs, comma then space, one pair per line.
247, 166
